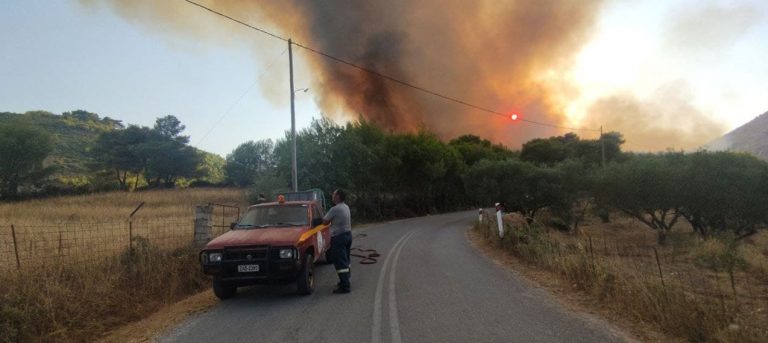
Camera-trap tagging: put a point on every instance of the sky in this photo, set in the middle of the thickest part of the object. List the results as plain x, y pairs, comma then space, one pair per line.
706, 57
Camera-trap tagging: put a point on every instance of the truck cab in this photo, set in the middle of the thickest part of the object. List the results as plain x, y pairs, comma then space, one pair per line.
276, 242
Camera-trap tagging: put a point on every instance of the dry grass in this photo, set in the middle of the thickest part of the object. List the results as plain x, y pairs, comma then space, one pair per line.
116, 206
615, 265
78, 278
72, 304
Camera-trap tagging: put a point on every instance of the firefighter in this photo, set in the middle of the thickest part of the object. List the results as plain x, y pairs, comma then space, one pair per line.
341, 239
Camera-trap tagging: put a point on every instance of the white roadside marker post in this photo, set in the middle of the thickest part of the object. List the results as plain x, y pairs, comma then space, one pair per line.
499, 220
480, 216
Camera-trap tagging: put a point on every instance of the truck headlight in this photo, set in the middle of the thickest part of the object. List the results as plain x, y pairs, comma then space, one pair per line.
214, 257
286, 253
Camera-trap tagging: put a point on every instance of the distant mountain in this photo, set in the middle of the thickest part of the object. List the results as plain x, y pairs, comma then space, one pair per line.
751, 138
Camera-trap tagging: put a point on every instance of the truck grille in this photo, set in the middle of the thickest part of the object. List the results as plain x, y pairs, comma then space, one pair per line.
246, 253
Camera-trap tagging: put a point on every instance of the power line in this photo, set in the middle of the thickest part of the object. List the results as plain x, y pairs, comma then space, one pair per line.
218, 121
387, 77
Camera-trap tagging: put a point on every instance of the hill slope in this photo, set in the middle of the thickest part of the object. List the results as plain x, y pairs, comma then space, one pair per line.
751, 138
74, 134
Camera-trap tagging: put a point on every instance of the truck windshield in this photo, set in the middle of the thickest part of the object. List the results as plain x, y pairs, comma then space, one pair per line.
272, 216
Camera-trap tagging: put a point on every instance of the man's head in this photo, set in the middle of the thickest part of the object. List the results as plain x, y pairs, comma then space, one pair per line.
339, 196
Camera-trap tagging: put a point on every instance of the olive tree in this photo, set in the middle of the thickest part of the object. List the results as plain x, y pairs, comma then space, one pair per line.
725, 192
647, 187
520, 186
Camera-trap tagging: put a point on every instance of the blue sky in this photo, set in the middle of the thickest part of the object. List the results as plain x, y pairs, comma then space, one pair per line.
60, 55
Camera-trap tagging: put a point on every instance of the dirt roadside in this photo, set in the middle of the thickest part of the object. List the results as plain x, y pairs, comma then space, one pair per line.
148, 328
565, 294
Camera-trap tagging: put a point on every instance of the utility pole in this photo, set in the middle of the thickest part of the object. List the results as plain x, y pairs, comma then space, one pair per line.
294, 178
602, 145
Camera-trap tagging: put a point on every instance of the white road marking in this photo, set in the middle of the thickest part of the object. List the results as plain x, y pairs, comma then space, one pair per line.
376, 327
394, 322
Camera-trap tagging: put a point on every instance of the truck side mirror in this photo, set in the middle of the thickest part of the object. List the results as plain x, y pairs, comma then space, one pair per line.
232, 225
317, 221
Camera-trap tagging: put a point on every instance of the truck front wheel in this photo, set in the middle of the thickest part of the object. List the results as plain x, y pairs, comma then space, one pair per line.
305, 283
222, 290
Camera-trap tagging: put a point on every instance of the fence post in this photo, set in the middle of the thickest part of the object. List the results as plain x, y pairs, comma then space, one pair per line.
203, 225
592, 255
130, 227
15, 247
130, 235
658, 264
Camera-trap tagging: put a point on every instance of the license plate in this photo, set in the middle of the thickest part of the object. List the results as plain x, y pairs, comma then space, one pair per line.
248, 268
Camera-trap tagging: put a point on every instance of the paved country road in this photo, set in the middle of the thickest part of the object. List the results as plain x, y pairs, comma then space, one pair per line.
429, 285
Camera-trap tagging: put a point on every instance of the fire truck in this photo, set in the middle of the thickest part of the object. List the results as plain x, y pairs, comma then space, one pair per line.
276, 242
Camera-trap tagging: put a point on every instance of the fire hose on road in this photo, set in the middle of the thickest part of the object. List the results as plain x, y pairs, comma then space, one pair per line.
369, 256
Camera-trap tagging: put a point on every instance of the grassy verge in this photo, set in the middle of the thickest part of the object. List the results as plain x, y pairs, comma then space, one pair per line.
77, 281
670, 293
79, 303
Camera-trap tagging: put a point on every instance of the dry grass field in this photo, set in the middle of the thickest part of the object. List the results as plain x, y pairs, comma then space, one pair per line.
89, 227
116, 206
78, 278
695, 290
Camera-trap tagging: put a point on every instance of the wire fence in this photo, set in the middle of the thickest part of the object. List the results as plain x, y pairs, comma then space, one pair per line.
711, 275
24, 247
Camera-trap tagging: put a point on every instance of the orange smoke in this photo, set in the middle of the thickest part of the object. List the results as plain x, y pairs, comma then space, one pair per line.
499, 55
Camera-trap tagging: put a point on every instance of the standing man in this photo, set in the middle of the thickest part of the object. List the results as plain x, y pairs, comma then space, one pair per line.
341, 239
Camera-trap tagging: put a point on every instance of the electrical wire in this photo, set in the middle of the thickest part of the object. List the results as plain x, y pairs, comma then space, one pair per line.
221, 118
387, 77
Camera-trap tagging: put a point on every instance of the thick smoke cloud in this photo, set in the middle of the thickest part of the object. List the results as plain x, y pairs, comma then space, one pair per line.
501, 55
495, 54
665, 120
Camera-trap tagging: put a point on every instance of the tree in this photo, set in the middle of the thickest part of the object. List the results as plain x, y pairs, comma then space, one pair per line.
249, 161
23, 148
473, 149
211, 168
648, 188
168, 160
314, 151
167, 155
160, 154
725, 192
553, 150
545, 152
171, 127
520, 186
122, 151
576, 198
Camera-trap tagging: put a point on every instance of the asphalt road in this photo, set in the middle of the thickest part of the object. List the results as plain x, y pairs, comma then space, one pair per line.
429, 285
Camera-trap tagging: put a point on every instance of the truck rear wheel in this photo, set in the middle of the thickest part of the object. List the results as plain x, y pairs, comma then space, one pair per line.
223, 291
305, 283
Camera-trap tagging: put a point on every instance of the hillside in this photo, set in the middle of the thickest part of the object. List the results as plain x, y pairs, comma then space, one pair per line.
74, 134
751, 138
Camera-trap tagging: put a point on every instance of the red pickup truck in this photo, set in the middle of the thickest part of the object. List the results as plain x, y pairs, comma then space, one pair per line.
276, 242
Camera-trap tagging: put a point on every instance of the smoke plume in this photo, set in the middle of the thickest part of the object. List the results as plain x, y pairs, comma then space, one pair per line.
495, 54
664, 121
500, 55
